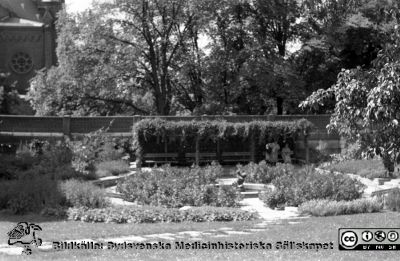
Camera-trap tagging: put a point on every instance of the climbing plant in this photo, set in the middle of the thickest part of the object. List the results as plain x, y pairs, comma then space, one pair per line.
257, 131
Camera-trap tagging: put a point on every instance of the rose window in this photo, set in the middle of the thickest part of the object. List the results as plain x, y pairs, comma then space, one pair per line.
21, 62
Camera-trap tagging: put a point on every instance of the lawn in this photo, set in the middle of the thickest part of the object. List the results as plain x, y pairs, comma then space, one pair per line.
54, 230
317, 230
371, 168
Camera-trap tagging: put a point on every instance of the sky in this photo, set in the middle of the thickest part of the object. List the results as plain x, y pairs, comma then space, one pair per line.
77, 5
81, 5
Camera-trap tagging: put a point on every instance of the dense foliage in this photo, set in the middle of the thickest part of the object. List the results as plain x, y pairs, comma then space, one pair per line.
30, 180
206, 57
96, 147
30, 194
83, 194
259, 131
221, 129
367, 102
10, 101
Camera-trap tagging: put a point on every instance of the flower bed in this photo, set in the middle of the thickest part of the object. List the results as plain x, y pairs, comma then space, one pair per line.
335, 208
298, 186
156, 215
177, 187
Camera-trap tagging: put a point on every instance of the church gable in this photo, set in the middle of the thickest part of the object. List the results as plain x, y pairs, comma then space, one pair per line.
27, 38
25, 9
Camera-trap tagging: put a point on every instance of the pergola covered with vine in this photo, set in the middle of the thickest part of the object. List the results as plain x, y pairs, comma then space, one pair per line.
174, 134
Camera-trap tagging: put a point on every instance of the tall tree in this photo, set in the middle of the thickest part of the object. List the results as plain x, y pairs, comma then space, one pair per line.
340, 34
94, 76
124, 55
159, 29
367, 100
277, 21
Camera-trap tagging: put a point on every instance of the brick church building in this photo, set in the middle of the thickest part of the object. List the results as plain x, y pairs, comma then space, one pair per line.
27, 38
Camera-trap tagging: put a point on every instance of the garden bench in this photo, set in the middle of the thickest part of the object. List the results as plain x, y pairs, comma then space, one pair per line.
236, 156
154, 158
203, 157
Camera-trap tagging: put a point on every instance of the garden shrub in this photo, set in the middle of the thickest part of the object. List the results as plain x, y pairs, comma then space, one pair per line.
157, 215
95, 147
36, 147
334, 208
352, 151
83, 194
393, 200
306, 184
66, 172
35, 191
24, 150
57, 154
271, 198
32, 194
228, 196
112, 167
54, 159
177, 187
85, 152
11, 164
318, 156
110, 152
6, 193
262, 172
54, 171
8, 167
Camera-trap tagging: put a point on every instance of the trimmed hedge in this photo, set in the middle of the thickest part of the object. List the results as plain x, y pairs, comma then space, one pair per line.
334, 208
157, 215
